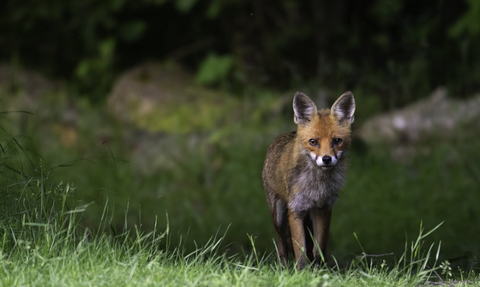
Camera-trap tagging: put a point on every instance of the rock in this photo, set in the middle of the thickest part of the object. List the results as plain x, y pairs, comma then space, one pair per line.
27, 93
164, 98
18, 80
436, 115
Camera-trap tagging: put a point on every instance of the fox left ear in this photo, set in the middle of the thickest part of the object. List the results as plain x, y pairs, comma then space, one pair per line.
304, 108
344, 107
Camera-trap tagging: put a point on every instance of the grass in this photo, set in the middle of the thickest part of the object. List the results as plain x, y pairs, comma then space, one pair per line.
44, 242
105, 224
68, 255
50, 247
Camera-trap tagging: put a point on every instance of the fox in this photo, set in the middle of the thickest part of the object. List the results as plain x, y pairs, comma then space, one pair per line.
303, 173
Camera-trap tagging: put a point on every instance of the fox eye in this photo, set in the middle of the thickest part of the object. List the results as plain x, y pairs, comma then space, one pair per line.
337, 141
313, 142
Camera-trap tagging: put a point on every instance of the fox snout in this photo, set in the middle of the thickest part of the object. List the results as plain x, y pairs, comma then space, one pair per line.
326, 161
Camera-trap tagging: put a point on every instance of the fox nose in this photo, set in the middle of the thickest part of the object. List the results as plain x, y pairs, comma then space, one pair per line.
326, 159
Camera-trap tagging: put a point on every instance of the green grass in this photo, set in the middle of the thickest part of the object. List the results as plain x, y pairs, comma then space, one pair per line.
51, 248
45, 244
106, 224
101, 264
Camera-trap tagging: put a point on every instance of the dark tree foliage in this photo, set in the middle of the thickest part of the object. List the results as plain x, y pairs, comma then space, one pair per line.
396, 49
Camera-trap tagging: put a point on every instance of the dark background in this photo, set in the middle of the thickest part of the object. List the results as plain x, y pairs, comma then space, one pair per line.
398, 50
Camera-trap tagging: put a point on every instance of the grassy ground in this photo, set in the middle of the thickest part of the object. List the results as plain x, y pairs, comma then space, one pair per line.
208, 183
44, 244
106, 264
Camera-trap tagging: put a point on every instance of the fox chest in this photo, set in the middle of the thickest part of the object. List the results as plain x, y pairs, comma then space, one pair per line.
312, 189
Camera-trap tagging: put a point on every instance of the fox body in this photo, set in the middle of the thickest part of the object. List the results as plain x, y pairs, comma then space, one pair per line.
303, 173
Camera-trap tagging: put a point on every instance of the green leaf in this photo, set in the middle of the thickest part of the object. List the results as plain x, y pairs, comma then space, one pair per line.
185, 6
214, 69
133, 30
469, 22
214, 9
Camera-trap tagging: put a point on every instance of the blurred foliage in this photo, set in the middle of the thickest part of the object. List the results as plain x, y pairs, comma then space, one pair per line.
214, 69
394, 50
469, 23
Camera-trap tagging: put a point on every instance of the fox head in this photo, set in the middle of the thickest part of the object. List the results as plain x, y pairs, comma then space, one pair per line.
324, 135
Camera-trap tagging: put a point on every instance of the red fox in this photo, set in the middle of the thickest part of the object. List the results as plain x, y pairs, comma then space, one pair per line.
303, 173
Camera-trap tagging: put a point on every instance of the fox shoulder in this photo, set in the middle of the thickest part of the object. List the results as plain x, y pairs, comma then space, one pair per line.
281, 144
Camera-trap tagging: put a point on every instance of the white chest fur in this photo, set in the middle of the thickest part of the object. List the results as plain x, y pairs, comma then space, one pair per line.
317, 188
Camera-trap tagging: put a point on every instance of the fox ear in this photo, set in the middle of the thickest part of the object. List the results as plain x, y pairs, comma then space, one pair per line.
303, 107
344, 107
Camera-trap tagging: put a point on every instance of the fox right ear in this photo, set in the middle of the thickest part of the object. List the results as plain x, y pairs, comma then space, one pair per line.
344, 107
303, 107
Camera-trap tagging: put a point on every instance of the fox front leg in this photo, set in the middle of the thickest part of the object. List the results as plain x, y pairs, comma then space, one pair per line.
280, 221
321, 226
298, 238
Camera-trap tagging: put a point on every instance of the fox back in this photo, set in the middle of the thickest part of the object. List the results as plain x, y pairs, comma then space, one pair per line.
303, 173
